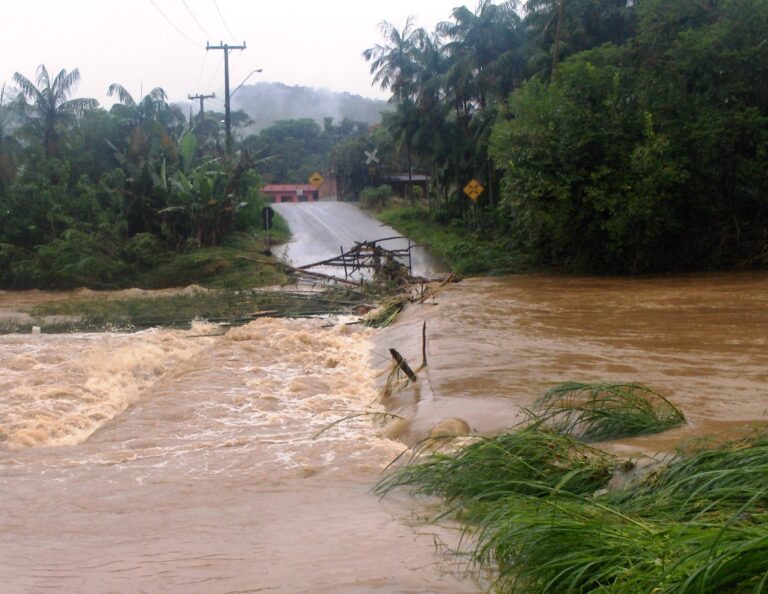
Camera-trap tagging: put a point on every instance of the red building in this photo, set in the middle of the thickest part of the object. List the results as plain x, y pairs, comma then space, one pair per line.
291, 192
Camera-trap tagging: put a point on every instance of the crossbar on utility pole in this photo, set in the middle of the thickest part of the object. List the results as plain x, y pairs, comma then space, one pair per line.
227, 118
202, 99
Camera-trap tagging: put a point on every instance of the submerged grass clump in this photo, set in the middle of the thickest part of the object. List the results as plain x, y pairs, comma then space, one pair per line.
708, 481
529, 462
540, 514
595, 412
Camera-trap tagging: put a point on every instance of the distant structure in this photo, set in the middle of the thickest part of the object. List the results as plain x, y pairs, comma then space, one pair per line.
400, 181
278, 193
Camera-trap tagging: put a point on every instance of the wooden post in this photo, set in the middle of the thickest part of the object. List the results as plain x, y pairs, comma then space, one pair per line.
424, 344
401, 363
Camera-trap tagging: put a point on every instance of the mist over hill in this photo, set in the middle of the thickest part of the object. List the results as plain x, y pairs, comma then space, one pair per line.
267, 103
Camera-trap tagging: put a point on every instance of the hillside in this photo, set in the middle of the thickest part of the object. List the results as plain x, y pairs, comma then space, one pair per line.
267, 103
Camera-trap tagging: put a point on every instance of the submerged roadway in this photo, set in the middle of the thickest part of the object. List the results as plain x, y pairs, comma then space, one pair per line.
321, 230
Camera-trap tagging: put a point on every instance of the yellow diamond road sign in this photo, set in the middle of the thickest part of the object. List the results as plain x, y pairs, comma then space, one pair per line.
473, 189
316, 179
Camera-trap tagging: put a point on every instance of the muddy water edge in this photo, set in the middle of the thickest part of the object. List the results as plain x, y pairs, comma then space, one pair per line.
189, 461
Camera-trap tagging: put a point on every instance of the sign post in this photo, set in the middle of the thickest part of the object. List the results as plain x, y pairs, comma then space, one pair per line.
473, 190
267, 214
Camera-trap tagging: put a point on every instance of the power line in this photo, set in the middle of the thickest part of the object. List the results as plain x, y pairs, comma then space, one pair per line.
200, 74
216, 4
237, 59
171, 23
194, 18
216, 73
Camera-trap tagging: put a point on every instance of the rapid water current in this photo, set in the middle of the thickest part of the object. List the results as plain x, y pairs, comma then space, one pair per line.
208, 461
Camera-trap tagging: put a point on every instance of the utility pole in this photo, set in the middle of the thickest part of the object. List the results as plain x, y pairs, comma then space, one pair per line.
227, 118
202, 99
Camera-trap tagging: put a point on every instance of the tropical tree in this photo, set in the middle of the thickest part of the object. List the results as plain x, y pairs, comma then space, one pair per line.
395, 66
151, 106
394, 63
556, 29
483, 53
48, 103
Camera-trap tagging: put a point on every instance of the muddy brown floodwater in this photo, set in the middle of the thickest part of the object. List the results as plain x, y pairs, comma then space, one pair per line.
497, 344
197, 461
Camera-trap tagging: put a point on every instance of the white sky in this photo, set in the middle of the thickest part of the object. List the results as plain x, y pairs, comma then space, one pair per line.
300, 42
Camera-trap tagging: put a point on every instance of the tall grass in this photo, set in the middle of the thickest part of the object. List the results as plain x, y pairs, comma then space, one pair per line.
710, 479
563, 543
527, 462
539, 514
595, 412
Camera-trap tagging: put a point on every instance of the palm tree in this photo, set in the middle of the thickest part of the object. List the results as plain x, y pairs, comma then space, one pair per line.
393, 64
151, 106
484, 51
48, 102
558, 28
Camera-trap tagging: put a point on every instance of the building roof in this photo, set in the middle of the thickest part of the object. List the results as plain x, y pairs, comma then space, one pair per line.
399, 177
288, 188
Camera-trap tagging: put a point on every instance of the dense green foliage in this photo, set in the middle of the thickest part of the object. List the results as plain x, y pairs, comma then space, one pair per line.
108, 198
290, 151
464, 248
610, 135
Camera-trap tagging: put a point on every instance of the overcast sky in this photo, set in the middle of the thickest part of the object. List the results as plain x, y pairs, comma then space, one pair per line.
142, 44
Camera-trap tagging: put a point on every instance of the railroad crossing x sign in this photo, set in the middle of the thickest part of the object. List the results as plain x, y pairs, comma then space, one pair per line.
370, 156
316, 179
473, 189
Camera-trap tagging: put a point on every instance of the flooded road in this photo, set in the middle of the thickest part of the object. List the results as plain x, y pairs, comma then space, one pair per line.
322, 229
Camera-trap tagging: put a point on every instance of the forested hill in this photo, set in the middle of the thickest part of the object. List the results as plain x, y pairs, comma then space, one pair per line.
267, 103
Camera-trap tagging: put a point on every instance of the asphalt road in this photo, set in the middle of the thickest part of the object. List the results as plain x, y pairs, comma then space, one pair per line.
322, 229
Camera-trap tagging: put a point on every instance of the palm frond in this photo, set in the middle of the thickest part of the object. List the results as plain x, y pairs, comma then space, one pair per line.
122, 94
157, 95
27, 88
43, 79
64, 83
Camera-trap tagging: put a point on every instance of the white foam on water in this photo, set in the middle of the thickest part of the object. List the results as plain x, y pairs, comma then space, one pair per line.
58, 389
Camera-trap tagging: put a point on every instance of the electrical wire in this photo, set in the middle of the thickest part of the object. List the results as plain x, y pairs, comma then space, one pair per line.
216, 73
233, 68
172, 24
200, 74
194, 18
216, 4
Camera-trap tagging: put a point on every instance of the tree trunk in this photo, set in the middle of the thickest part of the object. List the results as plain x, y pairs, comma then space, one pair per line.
558, 33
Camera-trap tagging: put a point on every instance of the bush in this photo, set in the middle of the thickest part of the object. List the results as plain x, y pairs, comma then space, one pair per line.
82, 259
376, 198
142, 249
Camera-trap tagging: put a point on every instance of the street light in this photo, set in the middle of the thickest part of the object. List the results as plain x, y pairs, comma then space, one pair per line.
250, 74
